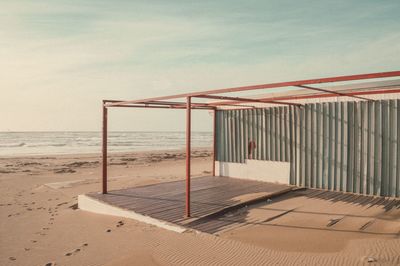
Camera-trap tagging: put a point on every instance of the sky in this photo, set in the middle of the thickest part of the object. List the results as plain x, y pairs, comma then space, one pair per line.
59, 59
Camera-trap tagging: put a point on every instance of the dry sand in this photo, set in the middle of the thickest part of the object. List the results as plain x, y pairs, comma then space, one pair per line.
40, 224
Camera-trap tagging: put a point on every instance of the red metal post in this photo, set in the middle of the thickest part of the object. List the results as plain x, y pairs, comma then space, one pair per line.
188, 136
104, 149
214, 140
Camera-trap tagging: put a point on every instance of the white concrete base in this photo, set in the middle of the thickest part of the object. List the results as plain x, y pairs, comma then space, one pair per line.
267, 171
92, 205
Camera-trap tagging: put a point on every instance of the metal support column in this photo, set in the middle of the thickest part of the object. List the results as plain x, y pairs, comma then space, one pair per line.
188, 136
214, 140
104, 150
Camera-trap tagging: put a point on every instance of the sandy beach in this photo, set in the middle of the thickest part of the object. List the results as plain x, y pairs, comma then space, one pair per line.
41, 225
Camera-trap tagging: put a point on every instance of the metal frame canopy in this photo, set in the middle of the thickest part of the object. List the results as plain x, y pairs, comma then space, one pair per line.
235, 102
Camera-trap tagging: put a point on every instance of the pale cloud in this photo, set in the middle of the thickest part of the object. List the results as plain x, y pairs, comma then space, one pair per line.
59, 59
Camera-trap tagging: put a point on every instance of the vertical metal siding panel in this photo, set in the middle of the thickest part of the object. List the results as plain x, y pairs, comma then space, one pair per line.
356, 175
297, 141
330, 145
230, 134
392, 147
237, 135
225, 136
279, 128
286, 139
276, 136
243, 132
247, 132
250, 132
385, 148
312, 152
363, 142
254, 128
244, 125
398, 150
370, 149
302, 148
336, 146
268, 133
350, 146
255, 133
343, 151
240, 136
263, 133
309, 146
306, 145
339, 145
218, 135
222, 136
259, 135
291, 138
273, 135
319, 146
324, 146
378, 142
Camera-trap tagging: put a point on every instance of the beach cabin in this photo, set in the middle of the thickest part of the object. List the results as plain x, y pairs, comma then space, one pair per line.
337, 134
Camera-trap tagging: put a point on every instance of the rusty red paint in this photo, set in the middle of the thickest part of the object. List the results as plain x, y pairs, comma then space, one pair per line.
334, 92
188, 150
214, 141
104, 150
271, 85
315, 96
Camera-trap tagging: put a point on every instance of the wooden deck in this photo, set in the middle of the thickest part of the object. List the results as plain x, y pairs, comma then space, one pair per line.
209, 196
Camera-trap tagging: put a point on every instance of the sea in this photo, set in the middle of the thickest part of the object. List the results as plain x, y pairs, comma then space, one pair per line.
45, 143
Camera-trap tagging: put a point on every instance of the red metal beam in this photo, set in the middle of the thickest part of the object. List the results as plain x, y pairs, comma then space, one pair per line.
248, 100
188, 150
316, 96
164, 107
104, 149
334, 92
272, 85
327, 95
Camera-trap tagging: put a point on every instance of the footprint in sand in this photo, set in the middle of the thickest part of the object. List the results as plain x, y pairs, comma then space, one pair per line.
76, 250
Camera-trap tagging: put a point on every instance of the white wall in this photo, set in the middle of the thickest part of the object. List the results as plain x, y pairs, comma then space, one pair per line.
268, 171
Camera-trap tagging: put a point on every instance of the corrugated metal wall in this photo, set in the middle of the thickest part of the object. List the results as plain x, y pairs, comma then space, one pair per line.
344, 146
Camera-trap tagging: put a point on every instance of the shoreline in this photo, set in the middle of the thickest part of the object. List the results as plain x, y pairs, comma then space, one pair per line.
13, 156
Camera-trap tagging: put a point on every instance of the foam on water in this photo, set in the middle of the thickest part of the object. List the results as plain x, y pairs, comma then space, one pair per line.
40, 143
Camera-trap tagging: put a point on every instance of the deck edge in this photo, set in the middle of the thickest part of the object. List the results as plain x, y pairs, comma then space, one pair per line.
87, 203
